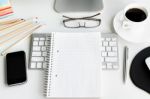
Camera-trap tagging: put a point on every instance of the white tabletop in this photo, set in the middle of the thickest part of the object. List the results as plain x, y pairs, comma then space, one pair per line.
113, 87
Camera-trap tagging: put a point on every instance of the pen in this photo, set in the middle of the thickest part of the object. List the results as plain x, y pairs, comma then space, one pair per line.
125, 63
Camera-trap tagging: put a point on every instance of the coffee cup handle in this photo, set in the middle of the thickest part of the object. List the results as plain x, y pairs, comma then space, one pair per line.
121, 18
126, 25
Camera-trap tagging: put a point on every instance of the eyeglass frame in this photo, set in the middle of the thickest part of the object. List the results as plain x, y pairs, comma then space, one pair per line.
83, 18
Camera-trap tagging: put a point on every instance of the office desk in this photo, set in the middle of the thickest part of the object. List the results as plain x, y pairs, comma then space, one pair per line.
112, 85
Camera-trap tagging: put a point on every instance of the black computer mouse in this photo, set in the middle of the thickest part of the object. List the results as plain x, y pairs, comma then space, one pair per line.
139, 70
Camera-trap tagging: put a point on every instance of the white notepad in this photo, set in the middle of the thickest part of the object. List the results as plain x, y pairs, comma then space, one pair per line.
74, 66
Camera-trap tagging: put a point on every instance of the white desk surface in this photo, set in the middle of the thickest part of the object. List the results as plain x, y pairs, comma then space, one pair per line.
113, 87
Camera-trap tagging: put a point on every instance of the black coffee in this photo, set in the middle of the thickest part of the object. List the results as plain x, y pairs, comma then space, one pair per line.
136, 15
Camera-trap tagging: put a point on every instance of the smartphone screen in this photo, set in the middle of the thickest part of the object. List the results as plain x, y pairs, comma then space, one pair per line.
16, 68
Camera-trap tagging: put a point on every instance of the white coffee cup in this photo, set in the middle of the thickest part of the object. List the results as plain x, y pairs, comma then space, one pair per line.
129, 24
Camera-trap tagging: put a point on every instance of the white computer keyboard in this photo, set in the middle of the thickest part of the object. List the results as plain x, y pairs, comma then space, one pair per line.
109, 51
40, 45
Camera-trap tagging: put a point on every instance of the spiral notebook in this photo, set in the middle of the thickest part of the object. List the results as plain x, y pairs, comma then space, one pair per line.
74, 66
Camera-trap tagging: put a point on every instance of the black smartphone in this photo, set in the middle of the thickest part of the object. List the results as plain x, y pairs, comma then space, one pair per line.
16, 68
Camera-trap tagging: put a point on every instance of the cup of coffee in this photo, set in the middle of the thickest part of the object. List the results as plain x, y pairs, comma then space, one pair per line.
135, 16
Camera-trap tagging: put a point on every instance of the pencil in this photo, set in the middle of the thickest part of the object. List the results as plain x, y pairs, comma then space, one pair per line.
2, 27
9, 21
19, 31
14, 28
7, 26
27, 34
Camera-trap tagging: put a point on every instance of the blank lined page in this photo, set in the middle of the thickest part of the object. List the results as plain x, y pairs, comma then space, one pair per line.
75, 71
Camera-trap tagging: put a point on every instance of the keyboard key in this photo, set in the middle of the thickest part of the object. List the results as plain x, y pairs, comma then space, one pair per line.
112, 43
111, 59
48, 38
108, 39
115, 66
102, 39
41, 43
114, 39
109, 65
103, 65
36, 53
102, 59
44, 54
103, 49
33, 65
104, 54
42, 39
37, 59
36, 48
114, 48
112, 54
46, 43
36, 39
39, 65
35, 43
108, 49
105, 43
44, 65
43, 48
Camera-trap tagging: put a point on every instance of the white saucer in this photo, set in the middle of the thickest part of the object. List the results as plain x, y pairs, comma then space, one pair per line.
131, 36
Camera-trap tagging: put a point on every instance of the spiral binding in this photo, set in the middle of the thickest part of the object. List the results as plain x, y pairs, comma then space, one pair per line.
48, 71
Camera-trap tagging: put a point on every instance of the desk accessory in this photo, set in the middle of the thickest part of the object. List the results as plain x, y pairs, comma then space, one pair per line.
135, 16
16, 68
9, 36
16, 27
139, 72
15, 30
83, 22
40, 46
4, 26
125, 59
22, 37
86, 7
74, 66
138, 35
109, 54
9, 21
5, 8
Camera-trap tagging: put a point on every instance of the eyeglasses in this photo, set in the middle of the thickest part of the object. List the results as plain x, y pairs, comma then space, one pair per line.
84, 22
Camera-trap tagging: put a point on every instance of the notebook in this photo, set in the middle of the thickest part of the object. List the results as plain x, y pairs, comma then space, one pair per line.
74, 66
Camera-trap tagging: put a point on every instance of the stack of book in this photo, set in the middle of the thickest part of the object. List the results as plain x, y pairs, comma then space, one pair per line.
5, 8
